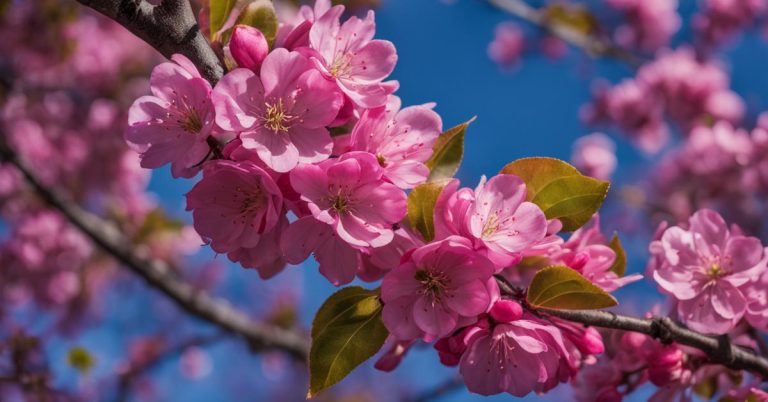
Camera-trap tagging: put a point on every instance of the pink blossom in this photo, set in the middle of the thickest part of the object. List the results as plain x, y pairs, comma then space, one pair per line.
281, 114
508, 44
718, 20
495, 216
173, 124
598, 383
401, 140
347, 54
350, 196
705, 268
587, 252
437, 287
266, 256
518, 357
650, 24
234, 204
633, 107
380, 260
595, 155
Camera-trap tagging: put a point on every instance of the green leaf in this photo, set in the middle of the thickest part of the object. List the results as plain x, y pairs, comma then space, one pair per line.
346, 331
620, 264
220, 10
447, 152
421, 208
259, 14
560, 190
559, 287
79, 358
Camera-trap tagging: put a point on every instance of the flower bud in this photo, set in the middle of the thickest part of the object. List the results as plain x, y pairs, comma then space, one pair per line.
249, 47
506, 311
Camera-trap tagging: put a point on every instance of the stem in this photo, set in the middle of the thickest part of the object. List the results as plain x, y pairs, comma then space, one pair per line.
592, 45
159, 275
169, 27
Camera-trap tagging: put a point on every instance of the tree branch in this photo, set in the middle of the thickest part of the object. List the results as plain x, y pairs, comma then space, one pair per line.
592, 45
169, 27
718, 350
159, 275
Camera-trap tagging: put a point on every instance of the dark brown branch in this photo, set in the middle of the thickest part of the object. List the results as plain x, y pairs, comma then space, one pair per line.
592, 45
159, 275
718, 350
169, 27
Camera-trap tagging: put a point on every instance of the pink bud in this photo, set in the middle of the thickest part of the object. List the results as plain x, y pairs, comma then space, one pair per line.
392, 358
249, 47
506, 311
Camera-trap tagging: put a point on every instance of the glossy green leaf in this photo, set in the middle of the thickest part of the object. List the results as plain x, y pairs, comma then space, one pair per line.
421, 208
447, 153
259, 14
562, 288
619, 265
220, 11
560, 190
346, 331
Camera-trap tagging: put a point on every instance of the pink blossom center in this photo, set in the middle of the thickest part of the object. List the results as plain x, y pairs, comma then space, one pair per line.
276, 118
187, 116
252, 201
340, 203
341, 66
433, 283
382, 160
491, 225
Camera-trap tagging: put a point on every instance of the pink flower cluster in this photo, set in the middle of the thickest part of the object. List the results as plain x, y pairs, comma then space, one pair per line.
719, 20
650, 24
676, 86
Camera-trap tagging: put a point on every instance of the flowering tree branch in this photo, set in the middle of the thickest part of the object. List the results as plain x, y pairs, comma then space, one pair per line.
718, 350
169, 27
592, 45
159, 275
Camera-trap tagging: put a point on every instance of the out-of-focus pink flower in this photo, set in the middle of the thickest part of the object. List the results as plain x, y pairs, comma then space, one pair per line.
649, 25
595, 155
401, 140
705, 268
348, 54
249, 47
350, 196
598, 383
435, 288
394, 354
173, 124
281, 114
234, 204
508, 44
495, 216
718, 20
195, 364
717, 149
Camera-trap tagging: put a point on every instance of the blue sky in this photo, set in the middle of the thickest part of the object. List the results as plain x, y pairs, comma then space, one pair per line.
532, 111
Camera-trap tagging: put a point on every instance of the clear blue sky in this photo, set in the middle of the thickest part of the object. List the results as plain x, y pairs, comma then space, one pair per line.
442, 58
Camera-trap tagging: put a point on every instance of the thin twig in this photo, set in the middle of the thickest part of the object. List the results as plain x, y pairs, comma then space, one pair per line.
592, 45
159, 275
169, 27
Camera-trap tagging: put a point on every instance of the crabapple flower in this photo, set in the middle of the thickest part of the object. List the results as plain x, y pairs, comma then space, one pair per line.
172, 125
349, 196
281, 114
650, 23
347, 54
587, 252
595, 155
705, 268
266, 256
508, 44
401, 140
436, 287
517, 357
495, 216
234, 204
